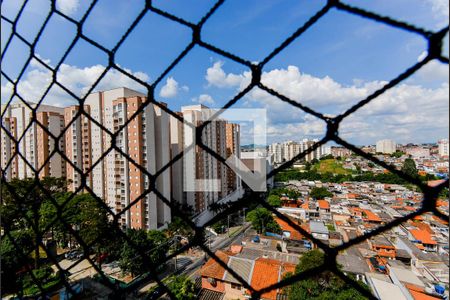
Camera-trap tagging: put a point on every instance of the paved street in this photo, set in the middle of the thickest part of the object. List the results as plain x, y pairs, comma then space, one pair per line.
82, 270
188, 265
192, 265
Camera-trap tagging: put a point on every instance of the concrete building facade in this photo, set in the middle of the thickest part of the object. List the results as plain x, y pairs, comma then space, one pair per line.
283, 152
443, 148
204, 179
35, 147
117, 177
386, 146
112, 142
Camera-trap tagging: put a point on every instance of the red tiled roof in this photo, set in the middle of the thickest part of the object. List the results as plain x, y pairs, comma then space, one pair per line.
295, 234
439, 220
323, 204
421, 296
440, 202
371, 216
236, 248
420, 246
414, 287
418, 218
385, 253
212, 268
403, 207
424, 226
435, 182
423, 236
267, 272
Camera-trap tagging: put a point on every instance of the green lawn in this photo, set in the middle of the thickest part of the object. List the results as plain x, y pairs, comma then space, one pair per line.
331, 166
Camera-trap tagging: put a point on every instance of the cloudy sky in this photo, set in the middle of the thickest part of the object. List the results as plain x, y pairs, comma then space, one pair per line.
339, 61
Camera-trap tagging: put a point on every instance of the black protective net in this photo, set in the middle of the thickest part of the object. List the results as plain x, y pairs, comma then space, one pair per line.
38, 190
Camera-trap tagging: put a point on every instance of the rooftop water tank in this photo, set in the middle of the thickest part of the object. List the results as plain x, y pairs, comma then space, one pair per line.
439, 289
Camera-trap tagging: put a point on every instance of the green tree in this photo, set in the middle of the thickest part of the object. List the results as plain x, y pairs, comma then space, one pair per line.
409, 167
320, 193
397, 154
325, 285
10, 260
274, 200
308, 166
444, 193
328, 156
153, 243
21, 202
179, 226
219, 226
182, 287
262, 220
83, 213
285, 191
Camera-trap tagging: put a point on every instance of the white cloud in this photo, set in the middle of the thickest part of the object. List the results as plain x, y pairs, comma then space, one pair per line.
408, 112
216, 76
170, 89
204, 99
77, 80
307, 89
440, 9
433, 70
68, 7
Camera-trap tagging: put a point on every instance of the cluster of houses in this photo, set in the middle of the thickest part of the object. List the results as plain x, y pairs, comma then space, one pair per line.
409, 261
426, 164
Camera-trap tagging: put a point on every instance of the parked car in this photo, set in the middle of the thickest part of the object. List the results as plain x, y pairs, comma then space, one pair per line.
155, 294
69, 253
76, 254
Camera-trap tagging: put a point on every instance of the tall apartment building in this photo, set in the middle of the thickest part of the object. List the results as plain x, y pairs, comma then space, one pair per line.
114, 170
386, 146
291, 149
276, 149
283, 152
35, 144
233, 147
443, 147
198, 178
114, 177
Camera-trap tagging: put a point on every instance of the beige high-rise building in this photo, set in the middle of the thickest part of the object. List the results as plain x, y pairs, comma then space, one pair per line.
199, 179
116, 171
116, 174
286, 151
443, 147
277, 150
386, 146
35, 147
233, 147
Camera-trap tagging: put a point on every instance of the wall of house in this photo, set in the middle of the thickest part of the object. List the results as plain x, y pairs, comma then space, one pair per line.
232, 294
219, 287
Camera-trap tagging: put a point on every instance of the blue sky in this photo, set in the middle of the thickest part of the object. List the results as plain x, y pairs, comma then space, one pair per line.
336, 63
